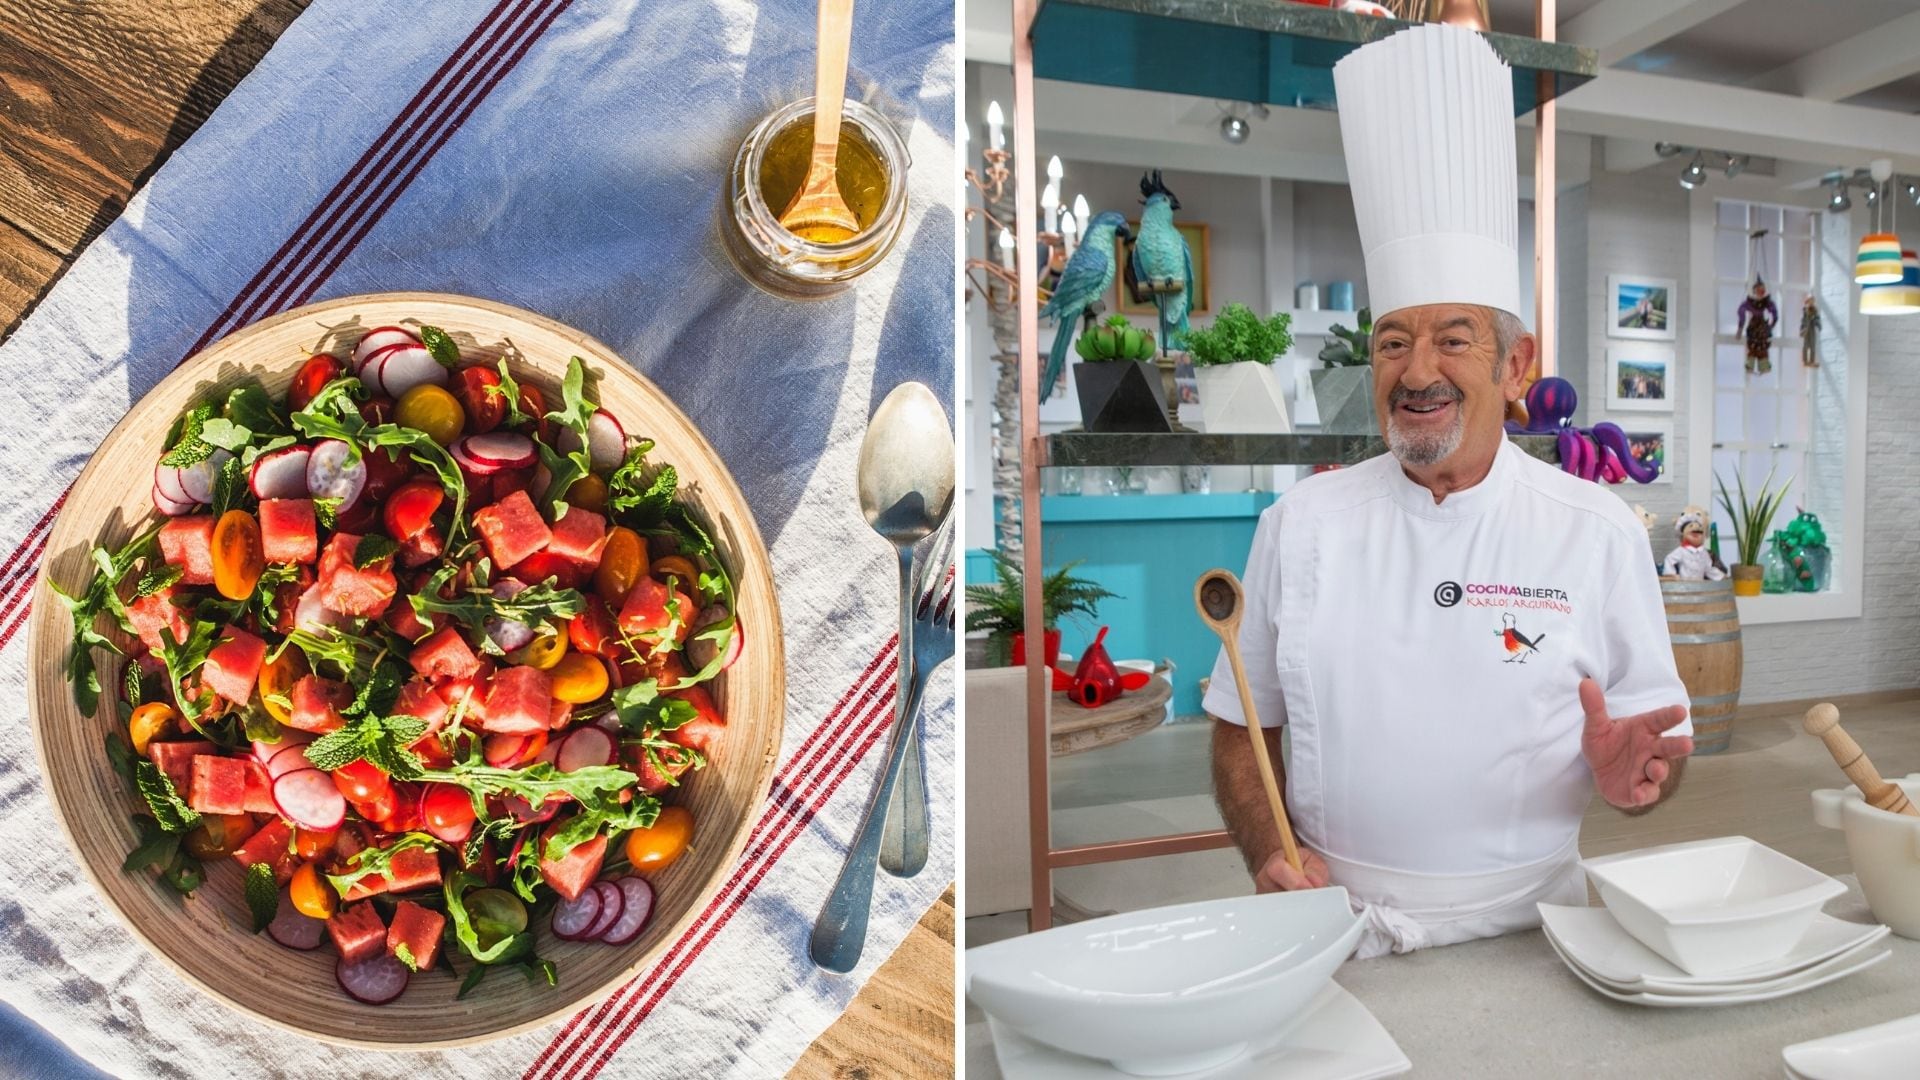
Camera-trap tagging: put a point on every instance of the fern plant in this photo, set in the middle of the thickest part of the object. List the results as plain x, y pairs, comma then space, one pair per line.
1237, 335
1001, 608
1751, 519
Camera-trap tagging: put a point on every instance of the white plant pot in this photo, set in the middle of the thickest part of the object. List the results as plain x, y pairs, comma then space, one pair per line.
1241, 399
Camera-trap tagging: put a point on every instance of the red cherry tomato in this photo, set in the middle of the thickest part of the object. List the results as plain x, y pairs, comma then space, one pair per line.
406, 815
534, 404
377, 410
542, 565
387, 469
449, 812
473, 388
380, 809
362, 781
409, 510
592, 631
317, 372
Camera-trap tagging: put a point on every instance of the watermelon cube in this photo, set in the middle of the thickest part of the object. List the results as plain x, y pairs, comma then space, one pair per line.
271, 845
234, 664
512, 529
403, 620
357, 932
288, 533
520, 702
571, 874
175, 759
258, 798
187, 542
219, 785
705, 730
411, 868
446, 654
419, 930
419, 699
652, 611
579, 537
149, 613
350, 590
317, 703
673, 760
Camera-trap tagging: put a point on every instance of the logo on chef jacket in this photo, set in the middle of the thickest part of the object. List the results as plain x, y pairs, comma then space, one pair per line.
1447, 594
1497, 595
1518, 644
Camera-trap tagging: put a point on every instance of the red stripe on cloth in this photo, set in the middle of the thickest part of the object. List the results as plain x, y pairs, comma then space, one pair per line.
826, 734
20, 595
46, 519
622, 1026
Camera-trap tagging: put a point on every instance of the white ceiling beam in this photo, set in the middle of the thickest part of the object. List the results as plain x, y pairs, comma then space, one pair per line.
1884, 54
1616, 29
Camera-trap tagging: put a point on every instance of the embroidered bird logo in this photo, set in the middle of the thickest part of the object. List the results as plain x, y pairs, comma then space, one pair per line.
1519, 646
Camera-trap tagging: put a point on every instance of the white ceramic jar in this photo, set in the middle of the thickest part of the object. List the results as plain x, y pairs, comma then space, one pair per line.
1884, 848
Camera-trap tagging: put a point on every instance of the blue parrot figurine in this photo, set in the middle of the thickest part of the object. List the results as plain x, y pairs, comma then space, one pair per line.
1162, 261
1082, 283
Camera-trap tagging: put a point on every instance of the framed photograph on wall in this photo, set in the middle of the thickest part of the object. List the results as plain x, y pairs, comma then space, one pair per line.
1640, 378
1649, 442
1196, 235
1640, 307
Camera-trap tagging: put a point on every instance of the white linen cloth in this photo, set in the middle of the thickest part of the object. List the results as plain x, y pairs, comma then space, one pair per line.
1426, 659
565, 156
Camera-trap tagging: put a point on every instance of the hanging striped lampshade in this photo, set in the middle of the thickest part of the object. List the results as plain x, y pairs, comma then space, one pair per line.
1879, 260
1900, 298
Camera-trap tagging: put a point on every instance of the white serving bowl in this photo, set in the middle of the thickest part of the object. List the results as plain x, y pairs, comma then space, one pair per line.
1712, 905
1884, 848
1168, 990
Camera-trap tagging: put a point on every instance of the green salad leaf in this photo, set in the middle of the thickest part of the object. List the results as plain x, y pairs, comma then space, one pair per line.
263, 895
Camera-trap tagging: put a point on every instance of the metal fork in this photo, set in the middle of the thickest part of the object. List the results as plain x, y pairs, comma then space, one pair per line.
840, 933
903, 843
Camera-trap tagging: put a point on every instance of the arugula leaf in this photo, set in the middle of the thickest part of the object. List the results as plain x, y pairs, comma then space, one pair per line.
574, 413
170, 811
120, 755
184, 874
641, 813
510, 390
455, 888
226, 434
253, 408
372, 548
496, 829
263, 895
533, 605
183, 658
440, 346
101, 593
265, 601
375, 860
535, 782
381, 740
380, 688
642, 708
644, 501
575, 410
156, 849
191, 449
402, 954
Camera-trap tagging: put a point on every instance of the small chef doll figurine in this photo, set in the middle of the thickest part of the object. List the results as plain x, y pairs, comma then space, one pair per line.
1758, 316
1810, 333
1691, 561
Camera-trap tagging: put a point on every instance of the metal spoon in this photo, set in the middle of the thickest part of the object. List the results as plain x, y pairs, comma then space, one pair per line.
906, 492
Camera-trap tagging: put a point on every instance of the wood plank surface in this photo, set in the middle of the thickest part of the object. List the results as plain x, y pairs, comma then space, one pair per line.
94, 94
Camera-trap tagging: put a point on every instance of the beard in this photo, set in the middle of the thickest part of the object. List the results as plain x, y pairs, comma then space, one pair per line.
1423, 448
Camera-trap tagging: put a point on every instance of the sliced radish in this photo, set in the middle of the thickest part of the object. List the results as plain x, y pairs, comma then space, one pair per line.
551, 754
606, 441
500, 450
509, 634
700, 652
281, 474
378, 338
468, 464
332, 475
295, 930
408, 366
169, 506
308, 798
524, 812
288, 759
584, 747
166, 480
572, 918
375, 980
636, 914
264, 751
197, 479
612, 903
371, 370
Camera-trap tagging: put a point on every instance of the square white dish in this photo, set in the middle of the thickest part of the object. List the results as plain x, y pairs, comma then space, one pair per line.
1712, 906
1592, 938
1688, 1001
1334, 1038
1871, 1053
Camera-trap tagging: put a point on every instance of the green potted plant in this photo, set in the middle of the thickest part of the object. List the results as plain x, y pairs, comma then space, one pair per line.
1118, 386
1751, 519
1000, 609
1343, 388
1233, 365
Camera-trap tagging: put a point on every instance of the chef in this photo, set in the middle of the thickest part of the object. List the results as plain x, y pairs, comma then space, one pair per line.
1460, 641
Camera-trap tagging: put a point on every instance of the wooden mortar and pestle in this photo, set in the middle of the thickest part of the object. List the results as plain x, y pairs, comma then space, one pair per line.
1218, 596
1823, 721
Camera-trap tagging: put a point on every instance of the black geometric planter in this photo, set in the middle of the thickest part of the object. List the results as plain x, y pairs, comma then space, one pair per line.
1120, 396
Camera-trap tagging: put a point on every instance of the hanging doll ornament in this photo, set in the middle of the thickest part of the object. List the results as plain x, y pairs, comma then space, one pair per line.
1810, 332
1691, 561
1758, 313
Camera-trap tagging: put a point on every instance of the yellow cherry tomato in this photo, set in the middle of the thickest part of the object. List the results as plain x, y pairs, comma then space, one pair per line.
433, 410
218, 835
312, 894
542, 652
579, 678
622, 562
588, 493
276, 680
657, 848
312, 844
678, 567
238, 558
149, 722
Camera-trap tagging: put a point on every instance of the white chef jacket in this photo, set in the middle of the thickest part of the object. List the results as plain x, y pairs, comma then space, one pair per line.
1426, 659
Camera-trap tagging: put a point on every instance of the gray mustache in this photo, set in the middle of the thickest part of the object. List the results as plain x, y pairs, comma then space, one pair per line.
1437, 394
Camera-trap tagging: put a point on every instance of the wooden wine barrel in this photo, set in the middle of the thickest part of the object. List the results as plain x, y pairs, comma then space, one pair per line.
1705, 628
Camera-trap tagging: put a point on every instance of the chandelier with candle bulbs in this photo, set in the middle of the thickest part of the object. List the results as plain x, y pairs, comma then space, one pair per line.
1059, 226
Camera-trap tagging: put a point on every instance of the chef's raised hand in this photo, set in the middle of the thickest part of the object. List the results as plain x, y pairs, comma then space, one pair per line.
1278, 876
1629, 756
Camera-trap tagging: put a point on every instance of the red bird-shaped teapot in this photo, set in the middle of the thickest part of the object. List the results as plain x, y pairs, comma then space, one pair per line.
1096, 681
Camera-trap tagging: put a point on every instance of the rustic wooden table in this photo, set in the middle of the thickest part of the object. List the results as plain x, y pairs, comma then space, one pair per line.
93, 97
1078, 729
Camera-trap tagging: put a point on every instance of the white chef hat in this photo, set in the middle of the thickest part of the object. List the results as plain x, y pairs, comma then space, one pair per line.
1426, 117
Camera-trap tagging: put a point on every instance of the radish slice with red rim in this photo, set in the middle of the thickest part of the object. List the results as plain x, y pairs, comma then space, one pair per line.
572, 918
171, 507
288, 759
500, 450
281, 474
166, 481
408, 366
264, 751
333, 474
612, 903
524, 812
197, 479
308, 798
606, 441
701, 651
584, 747
380, 337
637, 913
551, 753
468, 463
296, 930
375, 980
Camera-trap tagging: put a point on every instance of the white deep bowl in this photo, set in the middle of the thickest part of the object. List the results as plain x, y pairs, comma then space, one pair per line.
1712, 905
1172, 989
1884, 848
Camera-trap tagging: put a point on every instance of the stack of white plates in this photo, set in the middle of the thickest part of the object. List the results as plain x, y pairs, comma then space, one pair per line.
1871, 1053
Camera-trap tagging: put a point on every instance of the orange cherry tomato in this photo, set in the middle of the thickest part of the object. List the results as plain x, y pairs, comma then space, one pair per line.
588, 493
276, 680
314, 843
312, 895
431, 409
678, 566
238, 559
409, 510
578, 679
218, 835
656, 848
622, 562
149, 722
534, 404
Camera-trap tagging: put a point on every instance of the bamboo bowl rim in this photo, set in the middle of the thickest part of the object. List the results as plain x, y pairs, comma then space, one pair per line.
88, 798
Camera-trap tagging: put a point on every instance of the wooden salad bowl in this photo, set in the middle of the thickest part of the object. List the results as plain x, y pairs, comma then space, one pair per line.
207, 938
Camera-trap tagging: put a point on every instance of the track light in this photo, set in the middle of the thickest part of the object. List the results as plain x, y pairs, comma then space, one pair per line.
1872, 195
1234, 129
1838, 203
1233, 122
1913, 192
1695, 173
1736, 164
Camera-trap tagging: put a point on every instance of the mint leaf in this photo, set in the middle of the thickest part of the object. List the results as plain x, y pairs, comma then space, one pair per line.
226, 434
191, 449
254, 409
120, 754
382, 740
325, 511
263, 895
156, 848
170, 811
154, 580
372, 548
440, 346
229, 485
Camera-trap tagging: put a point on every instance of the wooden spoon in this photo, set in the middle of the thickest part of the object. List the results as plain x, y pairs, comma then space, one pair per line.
1218, 596
1823, 720
818, 212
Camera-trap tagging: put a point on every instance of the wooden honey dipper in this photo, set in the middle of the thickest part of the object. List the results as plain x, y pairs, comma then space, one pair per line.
1218, 596
1823, 720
